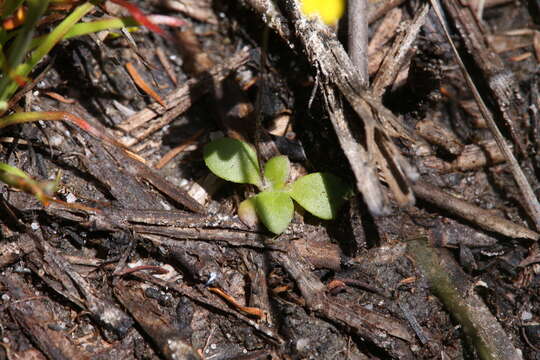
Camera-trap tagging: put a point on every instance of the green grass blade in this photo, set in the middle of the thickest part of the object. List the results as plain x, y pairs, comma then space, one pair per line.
11, 170
45, 47
3, 61
18, 50
16, 53
57, 34
21, 118
100, 25
91, 27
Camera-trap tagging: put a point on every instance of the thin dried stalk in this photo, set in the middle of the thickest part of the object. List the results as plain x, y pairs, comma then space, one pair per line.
358, 37
531, 204
472, 213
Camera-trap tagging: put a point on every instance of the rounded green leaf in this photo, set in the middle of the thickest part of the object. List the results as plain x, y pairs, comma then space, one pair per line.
321, 194
232, 160
275, 209
276, 171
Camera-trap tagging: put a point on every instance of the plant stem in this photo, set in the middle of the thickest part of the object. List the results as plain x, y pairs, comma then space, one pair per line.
358, 37
258, 105
453, 287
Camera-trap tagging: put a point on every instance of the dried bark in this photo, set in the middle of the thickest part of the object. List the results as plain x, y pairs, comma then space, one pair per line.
34, 317
157, 325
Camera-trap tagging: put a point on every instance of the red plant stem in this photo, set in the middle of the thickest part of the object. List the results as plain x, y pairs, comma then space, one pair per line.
25, 117
140, 17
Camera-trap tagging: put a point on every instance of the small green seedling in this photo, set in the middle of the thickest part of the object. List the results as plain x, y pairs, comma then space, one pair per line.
321, 194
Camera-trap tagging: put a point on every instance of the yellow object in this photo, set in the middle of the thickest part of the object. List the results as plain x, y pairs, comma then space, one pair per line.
329, 10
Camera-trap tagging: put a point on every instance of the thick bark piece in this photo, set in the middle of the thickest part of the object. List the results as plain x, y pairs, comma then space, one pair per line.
159, 326
370, 325
472, 213
58, 273
34, 317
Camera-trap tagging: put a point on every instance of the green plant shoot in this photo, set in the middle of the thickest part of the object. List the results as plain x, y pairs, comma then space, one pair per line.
321, 194
42, 190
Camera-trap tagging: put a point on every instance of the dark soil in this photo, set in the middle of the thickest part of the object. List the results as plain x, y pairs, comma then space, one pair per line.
154, 262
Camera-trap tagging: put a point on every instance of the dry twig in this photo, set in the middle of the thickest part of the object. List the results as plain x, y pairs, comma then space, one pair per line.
532, 206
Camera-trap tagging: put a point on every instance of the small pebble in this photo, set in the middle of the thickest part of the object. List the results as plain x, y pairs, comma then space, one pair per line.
70, 198
526, 315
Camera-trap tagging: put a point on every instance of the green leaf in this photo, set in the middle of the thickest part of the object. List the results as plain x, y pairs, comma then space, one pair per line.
233, 160
321, 194
276, 171
91, 27
20, 180
275, 209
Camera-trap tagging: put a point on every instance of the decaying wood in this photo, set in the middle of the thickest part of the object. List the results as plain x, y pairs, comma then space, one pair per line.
34, 317
320, 254
230, 237
436, 133
123, 217
273, 18
157, 325
58, 274
124, 179
386, 30
178, 101
420, 333
400, 53
378, 9
137, 169
200, 10
13, 251
506, 100
334, 66
472, 157
499, 79
212, 301
167, 66
456, 291
204, 250
367, 181
258, 268
509, 41
116, 178
368, 324
167, 227
472, 213
452, 234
